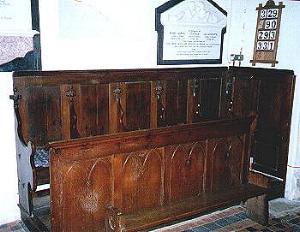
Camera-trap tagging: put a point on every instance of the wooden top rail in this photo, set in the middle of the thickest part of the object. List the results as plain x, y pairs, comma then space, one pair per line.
148, 139
112, 75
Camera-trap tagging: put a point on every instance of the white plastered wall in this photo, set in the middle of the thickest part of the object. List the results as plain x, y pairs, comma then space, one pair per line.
8, 167
128, 38
129, 41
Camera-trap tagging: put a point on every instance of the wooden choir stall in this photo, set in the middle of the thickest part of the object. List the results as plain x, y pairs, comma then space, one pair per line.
132, 150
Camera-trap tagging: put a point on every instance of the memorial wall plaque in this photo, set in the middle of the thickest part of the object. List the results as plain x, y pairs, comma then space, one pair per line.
190, 32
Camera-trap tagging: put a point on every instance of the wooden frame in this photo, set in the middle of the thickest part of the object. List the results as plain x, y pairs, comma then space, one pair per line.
267, 33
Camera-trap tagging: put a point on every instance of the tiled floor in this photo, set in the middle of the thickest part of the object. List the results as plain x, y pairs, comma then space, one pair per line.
285, 216
235, 219
16, 226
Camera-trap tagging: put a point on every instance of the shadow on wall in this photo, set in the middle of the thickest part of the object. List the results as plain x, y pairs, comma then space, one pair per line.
21, 63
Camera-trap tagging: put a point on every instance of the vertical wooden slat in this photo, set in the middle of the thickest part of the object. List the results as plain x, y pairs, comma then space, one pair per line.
171, 102
114, 125
87, 119
122, 108
138, 106
53, 113
189, 102
225, 96
65, 111
206, 99
153, 107
162, 105
77, 114
37, 112
181, 101
102, 109
23, 108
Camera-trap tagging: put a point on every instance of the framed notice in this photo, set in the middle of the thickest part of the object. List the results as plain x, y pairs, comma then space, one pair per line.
267, 33
190, 32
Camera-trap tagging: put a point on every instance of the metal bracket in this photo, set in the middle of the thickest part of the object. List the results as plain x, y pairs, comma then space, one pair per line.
15, 97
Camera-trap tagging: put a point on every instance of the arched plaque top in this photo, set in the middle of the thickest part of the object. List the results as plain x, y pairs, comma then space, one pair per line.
199, 12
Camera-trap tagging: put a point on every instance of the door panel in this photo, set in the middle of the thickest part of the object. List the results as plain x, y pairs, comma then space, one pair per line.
269, 95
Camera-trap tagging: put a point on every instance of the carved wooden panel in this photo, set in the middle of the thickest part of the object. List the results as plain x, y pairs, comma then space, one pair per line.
86, 189
185, 170
226, 156
141, 180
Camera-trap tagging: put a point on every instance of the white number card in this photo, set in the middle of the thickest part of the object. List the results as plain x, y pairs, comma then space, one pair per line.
271, 24
268, 13
265, 45
266, 35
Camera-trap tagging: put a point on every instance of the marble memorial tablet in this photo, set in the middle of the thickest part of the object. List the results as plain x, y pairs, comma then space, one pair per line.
190, 31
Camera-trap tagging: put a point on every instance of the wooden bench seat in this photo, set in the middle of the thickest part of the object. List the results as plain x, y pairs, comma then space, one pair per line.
151, 218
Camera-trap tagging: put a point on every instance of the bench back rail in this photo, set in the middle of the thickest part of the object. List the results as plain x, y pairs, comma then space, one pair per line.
64, 105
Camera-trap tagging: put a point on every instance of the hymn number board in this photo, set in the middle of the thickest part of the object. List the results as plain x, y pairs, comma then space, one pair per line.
267, 33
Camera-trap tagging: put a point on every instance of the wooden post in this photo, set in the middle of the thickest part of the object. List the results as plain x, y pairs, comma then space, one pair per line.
258, 209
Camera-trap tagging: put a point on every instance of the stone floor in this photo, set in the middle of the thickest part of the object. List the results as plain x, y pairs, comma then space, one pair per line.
285, 216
